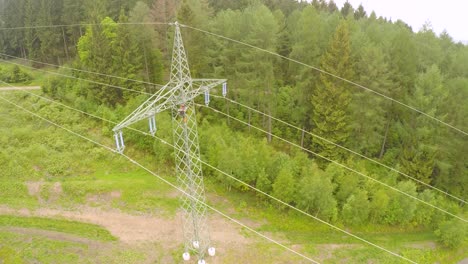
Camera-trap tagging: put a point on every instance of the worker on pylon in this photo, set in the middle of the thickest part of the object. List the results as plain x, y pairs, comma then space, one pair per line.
182, 111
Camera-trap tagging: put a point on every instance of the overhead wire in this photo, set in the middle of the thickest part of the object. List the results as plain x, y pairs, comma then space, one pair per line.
242, 105
329, 74
307, 150
82, 25
81, 70
270, 52
163, 180
77, 78
342, 147
232, 177
337, 163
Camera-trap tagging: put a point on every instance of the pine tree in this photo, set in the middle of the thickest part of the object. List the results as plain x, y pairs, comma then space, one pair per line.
420, 141
146, 38
360, 13
347, 9
368, 111
331, 97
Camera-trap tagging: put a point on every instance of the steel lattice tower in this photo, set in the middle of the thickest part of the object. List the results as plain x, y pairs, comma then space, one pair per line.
178, 95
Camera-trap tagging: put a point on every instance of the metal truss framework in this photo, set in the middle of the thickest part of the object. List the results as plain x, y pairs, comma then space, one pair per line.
178, 95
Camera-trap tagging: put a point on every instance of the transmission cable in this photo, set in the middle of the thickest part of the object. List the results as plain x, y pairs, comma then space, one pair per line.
328, 73
81, 70
85, 25
341, 165
342, 147
228, 175
164, 180
242, 105
77, 78
337, 163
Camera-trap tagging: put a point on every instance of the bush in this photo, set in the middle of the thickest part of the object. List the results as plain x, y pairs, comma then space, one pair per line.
452, 233
15, 75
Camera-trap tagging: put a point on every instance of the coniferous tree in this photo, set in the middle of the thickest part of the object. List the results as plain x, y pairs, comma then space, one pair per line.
331, 97
347, 9
360, 12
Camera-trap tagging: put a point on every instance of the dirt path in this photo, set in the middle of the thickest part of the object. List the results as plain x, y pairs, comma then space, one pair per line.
16, 88
138, 228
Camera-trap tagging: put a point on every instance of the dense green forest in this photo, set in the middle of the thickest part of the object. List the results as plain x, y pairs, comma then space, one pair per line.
414, 66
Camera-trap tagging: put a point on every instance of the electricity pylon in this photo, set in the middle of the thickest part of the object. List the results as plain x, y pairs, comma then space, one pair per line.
178, 95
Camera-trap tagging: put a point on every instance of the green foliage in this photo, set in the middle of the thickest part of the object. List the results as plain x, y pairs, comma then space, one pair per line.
401, 209
284, 187
421, 69
14, 75
356, 209
10, 256
330, 99
315, 193
77, 228
452, 233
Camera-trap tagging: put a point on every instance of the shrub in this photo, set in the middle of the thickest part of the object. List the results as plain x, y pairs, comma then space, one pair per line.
452, 233
15, 75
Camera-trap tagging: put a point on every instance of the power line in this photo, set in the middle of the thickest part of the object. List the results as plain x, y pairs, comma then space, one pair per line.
337, 163
77, 78
245, 106
316, 154
230, 176
342, 147
344, 166
267, 51
330, 74
85, 25
80, 70
160, 178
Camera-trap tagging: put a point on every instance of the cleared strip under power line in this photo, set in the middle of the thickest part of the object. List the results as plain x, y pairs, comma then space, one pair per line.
250, 108
164, 180
230, 176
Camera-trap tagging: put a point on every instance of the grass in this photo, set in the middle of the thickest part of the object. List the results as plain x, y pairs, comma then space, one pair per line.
38, 77
18, 248
90, 175
85, 230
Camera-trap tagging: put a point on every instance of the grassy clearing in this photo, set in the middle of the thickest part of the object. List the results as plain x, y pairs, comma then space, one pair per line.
38, 77
85, 230
19, 248
94, 177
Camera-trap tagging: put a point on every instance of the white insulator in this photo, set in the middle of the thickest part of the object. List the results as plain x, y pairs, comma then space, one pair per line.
207, 97
186, 256
196, 244
224, 89
117, 142
201, 261
211, 251
122, 145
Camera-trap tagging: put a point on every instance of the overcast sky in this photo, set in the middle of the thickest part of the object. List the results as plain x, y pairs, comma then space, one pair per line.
443, 14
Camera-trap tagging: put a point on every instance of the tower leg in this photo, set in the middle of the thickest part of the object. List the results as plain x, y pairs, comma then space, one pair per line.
190, 179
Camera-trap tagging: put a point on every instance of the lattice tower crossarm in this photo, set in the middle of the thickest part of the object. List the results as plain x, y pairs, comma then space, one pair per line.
178, 95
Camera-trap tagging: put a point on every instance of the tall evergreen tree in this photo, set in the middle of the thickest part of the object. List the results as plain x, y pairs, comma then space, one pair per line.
331, 97
421, 138
347, 9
